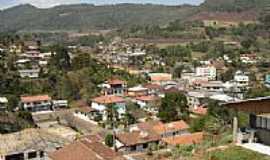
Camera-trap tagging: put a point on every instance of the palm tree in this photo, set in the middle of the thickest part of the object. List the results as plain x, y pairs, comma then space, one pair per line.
128, 119
111, 114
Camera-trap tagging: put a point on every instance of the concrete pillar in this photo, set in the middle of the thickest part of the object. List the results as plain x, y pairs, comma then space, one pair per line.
25, 155
252, 137
235, 129
38, 155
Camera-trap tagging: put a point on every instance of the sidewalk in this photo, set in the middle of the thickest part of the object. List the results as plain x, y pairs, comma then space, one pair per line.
257, 147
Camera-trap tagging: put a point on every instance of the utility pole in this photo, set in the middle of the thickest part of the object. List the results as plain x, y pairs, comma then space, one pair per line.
235, 128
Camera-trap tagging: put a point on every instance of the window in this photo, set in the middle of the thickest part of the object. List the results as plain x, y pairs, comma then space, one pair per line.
19, 156
41, 154
258, 122
133, 148
268, 124
145, 145
263, 124
32, 155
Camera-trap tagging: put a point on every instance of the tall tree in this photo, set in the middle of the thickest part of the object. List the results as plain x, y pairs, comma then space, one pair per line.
173, 107
62, 59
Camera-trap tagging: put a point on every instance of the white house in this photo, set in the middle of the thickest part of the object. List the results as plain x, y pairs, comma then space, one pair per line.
222, 98
43, 62
148, 103
60, 104
193, 79
33, 55
2, 50
100, 104
29, 73
36, 103
137, 91
213, 86
194, 99
3, 103
248, 58
208, 71
241, 79
22, 61
113, 87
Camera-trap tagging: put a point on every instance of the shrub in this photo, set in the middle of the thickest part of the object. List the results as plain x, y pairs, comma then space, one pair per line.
109, 141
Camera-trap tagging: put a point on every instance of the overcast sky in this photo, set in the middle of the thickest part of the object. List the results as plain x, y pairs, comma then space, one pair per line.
49, 3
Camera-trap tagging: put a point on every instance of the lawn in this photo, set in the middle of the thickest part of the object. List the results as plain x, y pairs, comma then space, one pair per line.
235, 153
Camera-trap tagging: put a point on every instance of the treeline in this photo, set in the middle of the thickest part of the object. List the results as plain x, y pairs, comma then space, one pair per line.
234, 5
175, 29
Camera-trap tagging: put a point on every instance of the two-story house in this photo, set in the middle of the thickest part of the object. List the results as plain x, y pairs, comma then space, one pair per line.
101, 104
241, 79
113, 87
212, 86
36, 103
207, 71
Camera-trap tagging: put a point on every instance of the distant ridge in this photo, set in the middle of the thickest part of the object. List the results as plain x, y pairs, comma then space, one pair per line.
88, 16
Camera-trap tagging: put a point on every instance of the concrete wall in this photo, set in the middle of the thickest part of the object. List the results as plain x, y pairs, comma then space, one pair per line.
263, 136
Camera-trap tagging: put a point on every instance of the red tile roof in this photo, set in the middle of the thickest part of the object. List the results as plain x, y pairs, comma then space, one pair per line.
160, 77
109, 99
147, 98
103, 151
152, 86
148, 126
85, 150
93, 138
86, 109
251, 55
200, 111
184, 139
115, 81
81, 103
82, 106
149, 132
170, 90
170, 127
137, 137
28, 99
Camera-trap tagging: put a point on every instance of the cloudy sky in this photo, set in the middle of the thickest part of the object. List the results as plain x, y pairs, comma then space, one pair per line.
49, 3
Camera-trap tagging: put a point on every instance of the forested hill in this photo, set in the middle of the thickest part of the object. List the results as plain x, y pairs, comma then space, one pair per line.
234, 5
75, 17
86, 16
231, 10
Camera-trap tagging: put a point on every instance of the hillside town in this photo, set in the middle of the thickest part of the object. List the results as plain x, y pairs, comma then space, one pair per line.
198, 89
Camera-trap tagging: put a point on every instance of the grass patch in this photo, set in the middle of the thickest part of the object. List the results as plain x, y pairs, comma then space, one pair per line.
235, 153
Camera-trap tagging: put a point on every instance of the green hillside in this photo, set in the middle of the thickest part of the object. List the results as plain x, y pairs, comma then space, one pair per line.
87, 17
75, 17
234, 5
